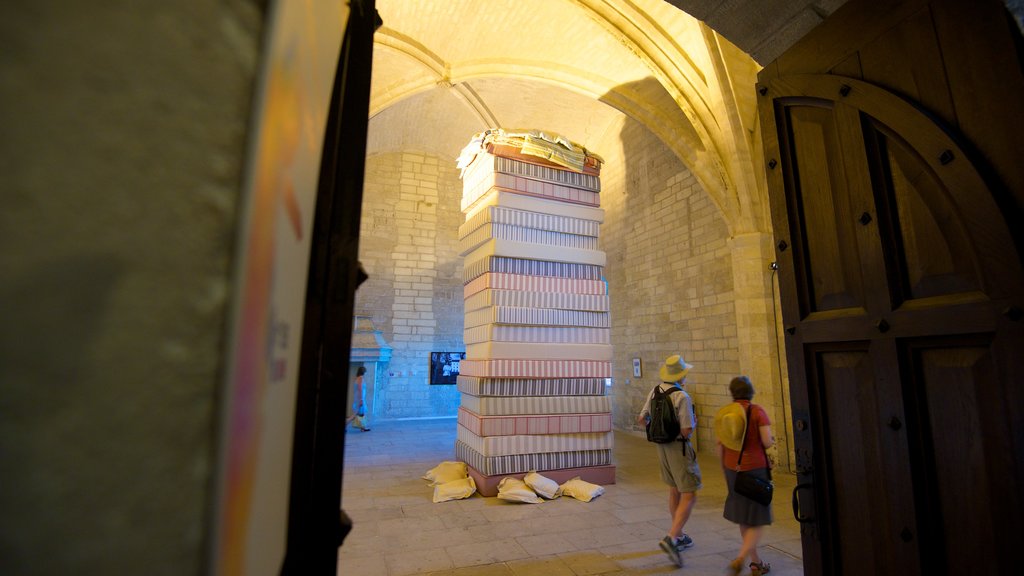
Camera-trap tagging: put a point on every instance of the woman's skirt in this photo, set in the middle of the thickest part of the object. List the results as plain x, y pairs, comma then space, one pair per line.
743, 510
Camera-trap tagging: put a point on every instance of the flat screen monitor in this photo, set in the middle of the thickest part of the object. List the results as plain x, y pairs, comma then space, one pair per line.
444, 367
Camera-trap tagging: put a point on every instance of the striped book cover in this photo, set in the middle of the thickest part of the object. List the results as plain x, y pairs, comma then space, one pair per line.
491, 465
534, 423
554, 334
525, 250
484, 233
486, 164
533, 444
539, 351
514, 405
536, 317
535, 204
525, 219
531, 386
523, 299
474, 268
501, 281
528, 187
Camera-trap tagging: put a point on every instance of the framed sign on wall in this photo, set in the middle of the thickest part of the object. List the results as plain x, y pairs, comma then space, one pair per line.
444, 367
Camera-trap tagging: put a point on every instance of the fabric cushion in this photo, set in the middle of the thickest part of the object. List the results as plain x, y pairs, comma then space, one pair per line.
545, 487
581, 489
515, 490
446, 472
454, 490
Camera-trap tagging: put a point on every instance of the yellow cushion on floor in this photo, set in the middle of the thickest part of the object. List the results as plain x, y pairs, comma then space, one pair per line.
454, 490
543, 486
515, 490
446, 472
581, 489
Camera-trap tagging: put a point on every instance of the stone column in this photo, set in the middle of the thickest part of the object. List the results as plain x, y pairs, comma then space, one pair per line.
757, 332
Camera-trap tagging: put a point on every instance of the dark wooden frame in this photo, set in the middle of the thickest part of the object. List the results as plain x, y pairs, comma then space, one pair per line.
316, 524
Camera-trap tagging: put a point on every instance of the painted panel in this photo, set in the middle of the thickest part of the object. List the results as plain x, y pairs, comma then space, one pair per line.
257, 422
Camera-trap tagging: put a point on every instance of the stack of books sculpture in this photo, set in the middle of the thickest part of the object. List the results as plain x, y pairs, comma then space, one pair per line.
537, 330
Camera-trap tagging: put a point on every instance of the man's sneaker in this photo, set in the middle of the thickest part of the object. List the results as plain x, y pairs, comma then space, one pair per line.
684, 543
669, 546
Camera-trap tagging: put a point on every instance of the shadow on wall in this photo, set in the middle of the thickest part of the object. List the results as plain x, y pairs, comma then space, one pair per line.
671, 289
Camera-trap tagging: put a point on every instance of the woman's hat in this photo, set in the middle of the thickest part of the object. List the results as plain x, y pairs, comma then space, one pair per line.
675, 369
730, 423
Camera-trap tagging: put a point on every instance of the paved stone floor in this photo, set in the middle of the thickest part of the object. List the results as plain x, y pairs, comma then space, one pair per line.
398, 530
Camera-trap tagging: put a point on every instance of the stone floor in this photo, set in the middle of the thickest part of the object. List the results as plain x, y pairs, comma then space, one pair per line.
398, 530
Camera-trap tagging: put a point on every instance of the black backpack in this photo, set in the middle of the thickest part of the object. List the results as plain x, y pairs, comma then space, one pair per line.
663, 427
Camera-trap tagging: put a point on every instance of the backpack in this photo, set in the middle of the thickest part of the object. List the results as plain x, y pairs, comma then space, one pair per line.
663, 426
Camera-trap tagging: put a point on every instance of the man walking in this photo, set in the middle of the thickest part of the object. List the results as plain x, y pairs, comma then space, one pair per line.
678, 458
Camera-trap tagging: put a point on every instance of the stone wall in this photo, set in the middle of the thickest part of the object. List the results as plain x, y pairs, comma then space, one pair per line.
669, 275
409, 247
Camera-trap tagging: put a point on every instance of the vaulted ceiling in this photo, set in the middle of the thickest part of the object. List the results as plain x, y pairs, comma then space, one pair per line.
444, 70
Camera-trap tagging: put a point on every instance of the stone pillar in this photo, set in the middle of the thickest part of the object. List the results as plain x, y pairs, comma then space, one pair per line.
757, 332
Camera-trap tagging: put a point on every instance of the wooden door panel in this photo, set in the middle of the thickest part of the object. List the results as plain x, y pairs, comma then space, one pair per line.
985, 82
929, 247
913, 74
847, 406
835, 39
902, 285
819, 206
964, 189
963, 452
866, 511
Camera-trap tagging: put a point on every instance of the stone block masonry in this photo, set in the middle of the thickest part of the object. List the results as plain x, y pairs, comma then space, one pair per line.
671, 276
409, 247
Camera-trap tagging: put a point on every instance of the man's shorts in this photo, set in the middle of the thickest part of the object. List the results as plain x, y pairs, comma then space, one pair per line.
679, 466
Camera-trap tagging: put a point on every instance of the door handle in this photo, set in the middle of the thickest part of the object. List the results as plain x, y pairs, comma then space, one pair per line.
796, 503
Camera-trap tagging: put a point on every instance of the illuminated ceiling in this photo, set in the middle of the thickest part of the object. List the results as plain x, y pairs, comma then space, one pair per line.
444, 70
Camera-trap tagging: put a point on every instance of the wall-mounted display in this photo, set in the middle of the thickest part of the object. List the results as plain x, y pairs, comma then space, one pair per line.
444, 367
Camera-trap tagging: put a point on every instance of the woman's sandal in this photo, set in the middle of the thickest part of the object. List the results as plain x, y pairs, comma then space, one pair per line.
736, 566
757, 569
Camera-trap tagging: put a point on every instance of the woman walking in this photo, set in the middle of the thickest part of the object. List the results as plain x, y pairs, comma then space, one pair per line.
358, 417
742, 427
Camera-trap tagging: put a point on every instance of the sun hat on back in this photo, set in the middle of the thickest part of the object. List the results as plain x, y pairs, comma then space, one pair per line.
674, 369
730, 424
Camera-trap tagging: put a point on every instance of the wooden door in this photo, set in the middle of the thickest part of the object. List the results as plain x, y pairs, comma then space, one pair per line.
902, 291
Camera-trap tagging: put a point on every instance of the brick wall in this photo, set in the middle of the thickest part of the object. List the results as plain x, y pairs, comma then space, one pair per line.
409, 247
670, 277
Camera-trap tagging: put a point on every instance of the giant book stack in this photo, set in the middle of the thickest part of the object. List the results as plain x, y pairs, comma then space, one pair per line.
537, 331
